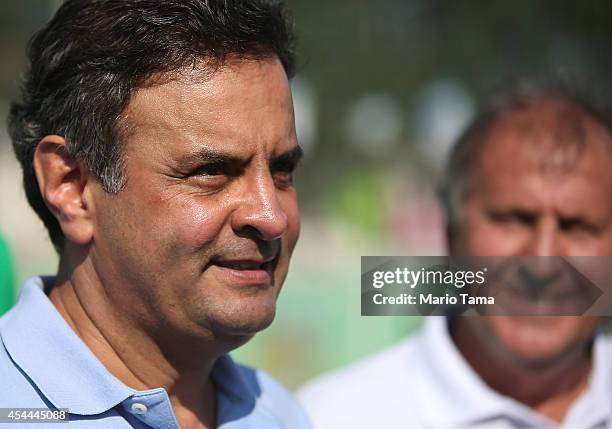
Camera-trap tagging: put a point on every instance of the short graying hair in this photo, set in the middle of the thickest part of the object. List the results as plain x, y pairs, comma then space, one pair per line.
515, 95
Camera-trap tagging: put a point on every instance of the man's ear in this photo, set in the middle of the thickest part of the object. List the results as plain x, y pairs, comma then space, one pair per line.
63, 186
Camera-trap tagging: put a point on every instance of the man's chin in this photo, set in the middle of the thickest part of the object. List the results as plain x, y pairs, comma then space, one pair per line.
535, 341
246, 327
241, 324
231, 313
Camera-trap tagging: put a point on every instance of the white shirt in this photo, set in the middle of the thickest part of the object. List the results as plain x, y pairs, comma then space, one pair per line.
425, 383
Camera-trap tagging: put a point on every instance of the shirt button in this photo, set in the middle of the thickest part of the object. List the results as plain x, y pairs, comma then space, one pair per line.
138, 408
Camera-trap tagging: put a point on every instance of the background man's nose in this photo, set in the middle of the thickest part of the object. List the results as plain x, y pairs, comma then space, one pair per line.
541, 264
544, 240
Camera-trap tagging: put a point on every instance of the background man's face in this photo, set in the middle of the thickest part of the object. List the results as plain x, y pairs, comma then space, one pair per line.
541, 185
199, 241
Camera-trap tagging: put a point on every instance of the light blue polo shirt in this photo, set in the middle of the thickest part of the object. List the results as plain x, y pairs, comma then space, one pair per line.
44, 364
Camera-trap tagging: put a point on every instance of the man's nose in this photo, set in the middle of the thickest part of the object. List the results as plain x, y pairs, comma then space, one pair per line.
544, 239
546, 245
260, 212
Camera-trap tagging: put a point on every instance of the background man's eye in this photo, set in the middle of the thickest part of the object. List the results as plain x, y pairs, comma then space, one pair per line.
517, 218
577, 225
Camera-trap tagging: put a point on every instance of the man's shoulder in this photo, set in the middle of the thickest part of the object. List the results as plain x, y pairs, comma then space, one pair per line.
273, 398
347, 397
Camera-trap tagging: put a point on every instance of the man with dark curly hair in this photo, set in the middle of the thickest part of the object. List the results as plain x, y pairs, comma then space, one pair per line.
158, 147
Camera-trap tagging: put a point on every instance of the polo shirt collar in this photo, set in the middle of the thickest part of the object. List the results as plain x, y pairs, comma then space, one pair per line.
238, 390
595, 404
50, 353
463, 398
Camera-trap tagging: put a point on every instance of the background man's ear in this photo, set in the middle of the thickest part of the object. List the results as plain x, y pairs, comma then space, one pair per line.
63, 185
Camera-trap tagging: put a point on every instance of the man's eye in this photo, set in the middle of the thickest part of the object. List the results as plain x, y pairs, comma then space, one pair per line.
213, 176
212, 169
283, 178
513, 218
578, 226
218, 169
282, 172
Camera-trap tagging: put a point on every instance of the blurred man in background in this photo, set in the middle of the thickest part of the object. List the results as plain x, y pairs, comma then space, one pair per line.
531, 176
158, 146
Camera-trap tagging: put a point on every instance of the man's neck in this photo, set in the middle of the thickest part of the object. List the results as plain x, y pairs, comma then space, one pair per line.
549, 390
133, 356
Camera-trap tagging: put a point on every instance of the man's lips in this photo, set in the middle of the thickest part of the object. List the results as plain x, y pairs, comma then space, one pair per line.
243, 264
515, 297
246, 271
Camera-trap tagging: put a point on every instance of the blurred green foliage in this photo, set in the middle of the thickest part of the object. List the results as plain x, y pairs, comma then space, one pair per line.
6, 277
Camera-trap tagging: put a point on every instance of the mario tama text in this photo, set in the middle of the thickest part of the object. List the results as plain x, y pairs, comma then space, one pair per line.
432, 299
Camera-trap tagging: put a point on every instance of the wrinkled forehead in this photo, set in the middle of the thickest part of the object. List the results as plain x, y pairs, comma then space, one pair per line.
549, 137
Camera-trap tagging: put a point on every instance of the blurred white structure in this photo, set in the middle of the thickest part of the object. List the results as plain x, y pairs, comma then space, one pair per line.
305, 104
374, 123
443, 110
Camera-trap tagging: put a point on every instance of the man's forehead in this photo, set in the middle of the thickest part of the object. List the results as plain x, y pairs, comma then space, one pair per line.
177, 91
549, 135
240, 102
189, 92
525, 161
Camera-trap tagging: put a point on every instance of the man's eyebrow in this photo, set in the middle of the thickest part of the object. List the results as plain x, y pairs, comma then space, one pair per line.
292, 156
208, 156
